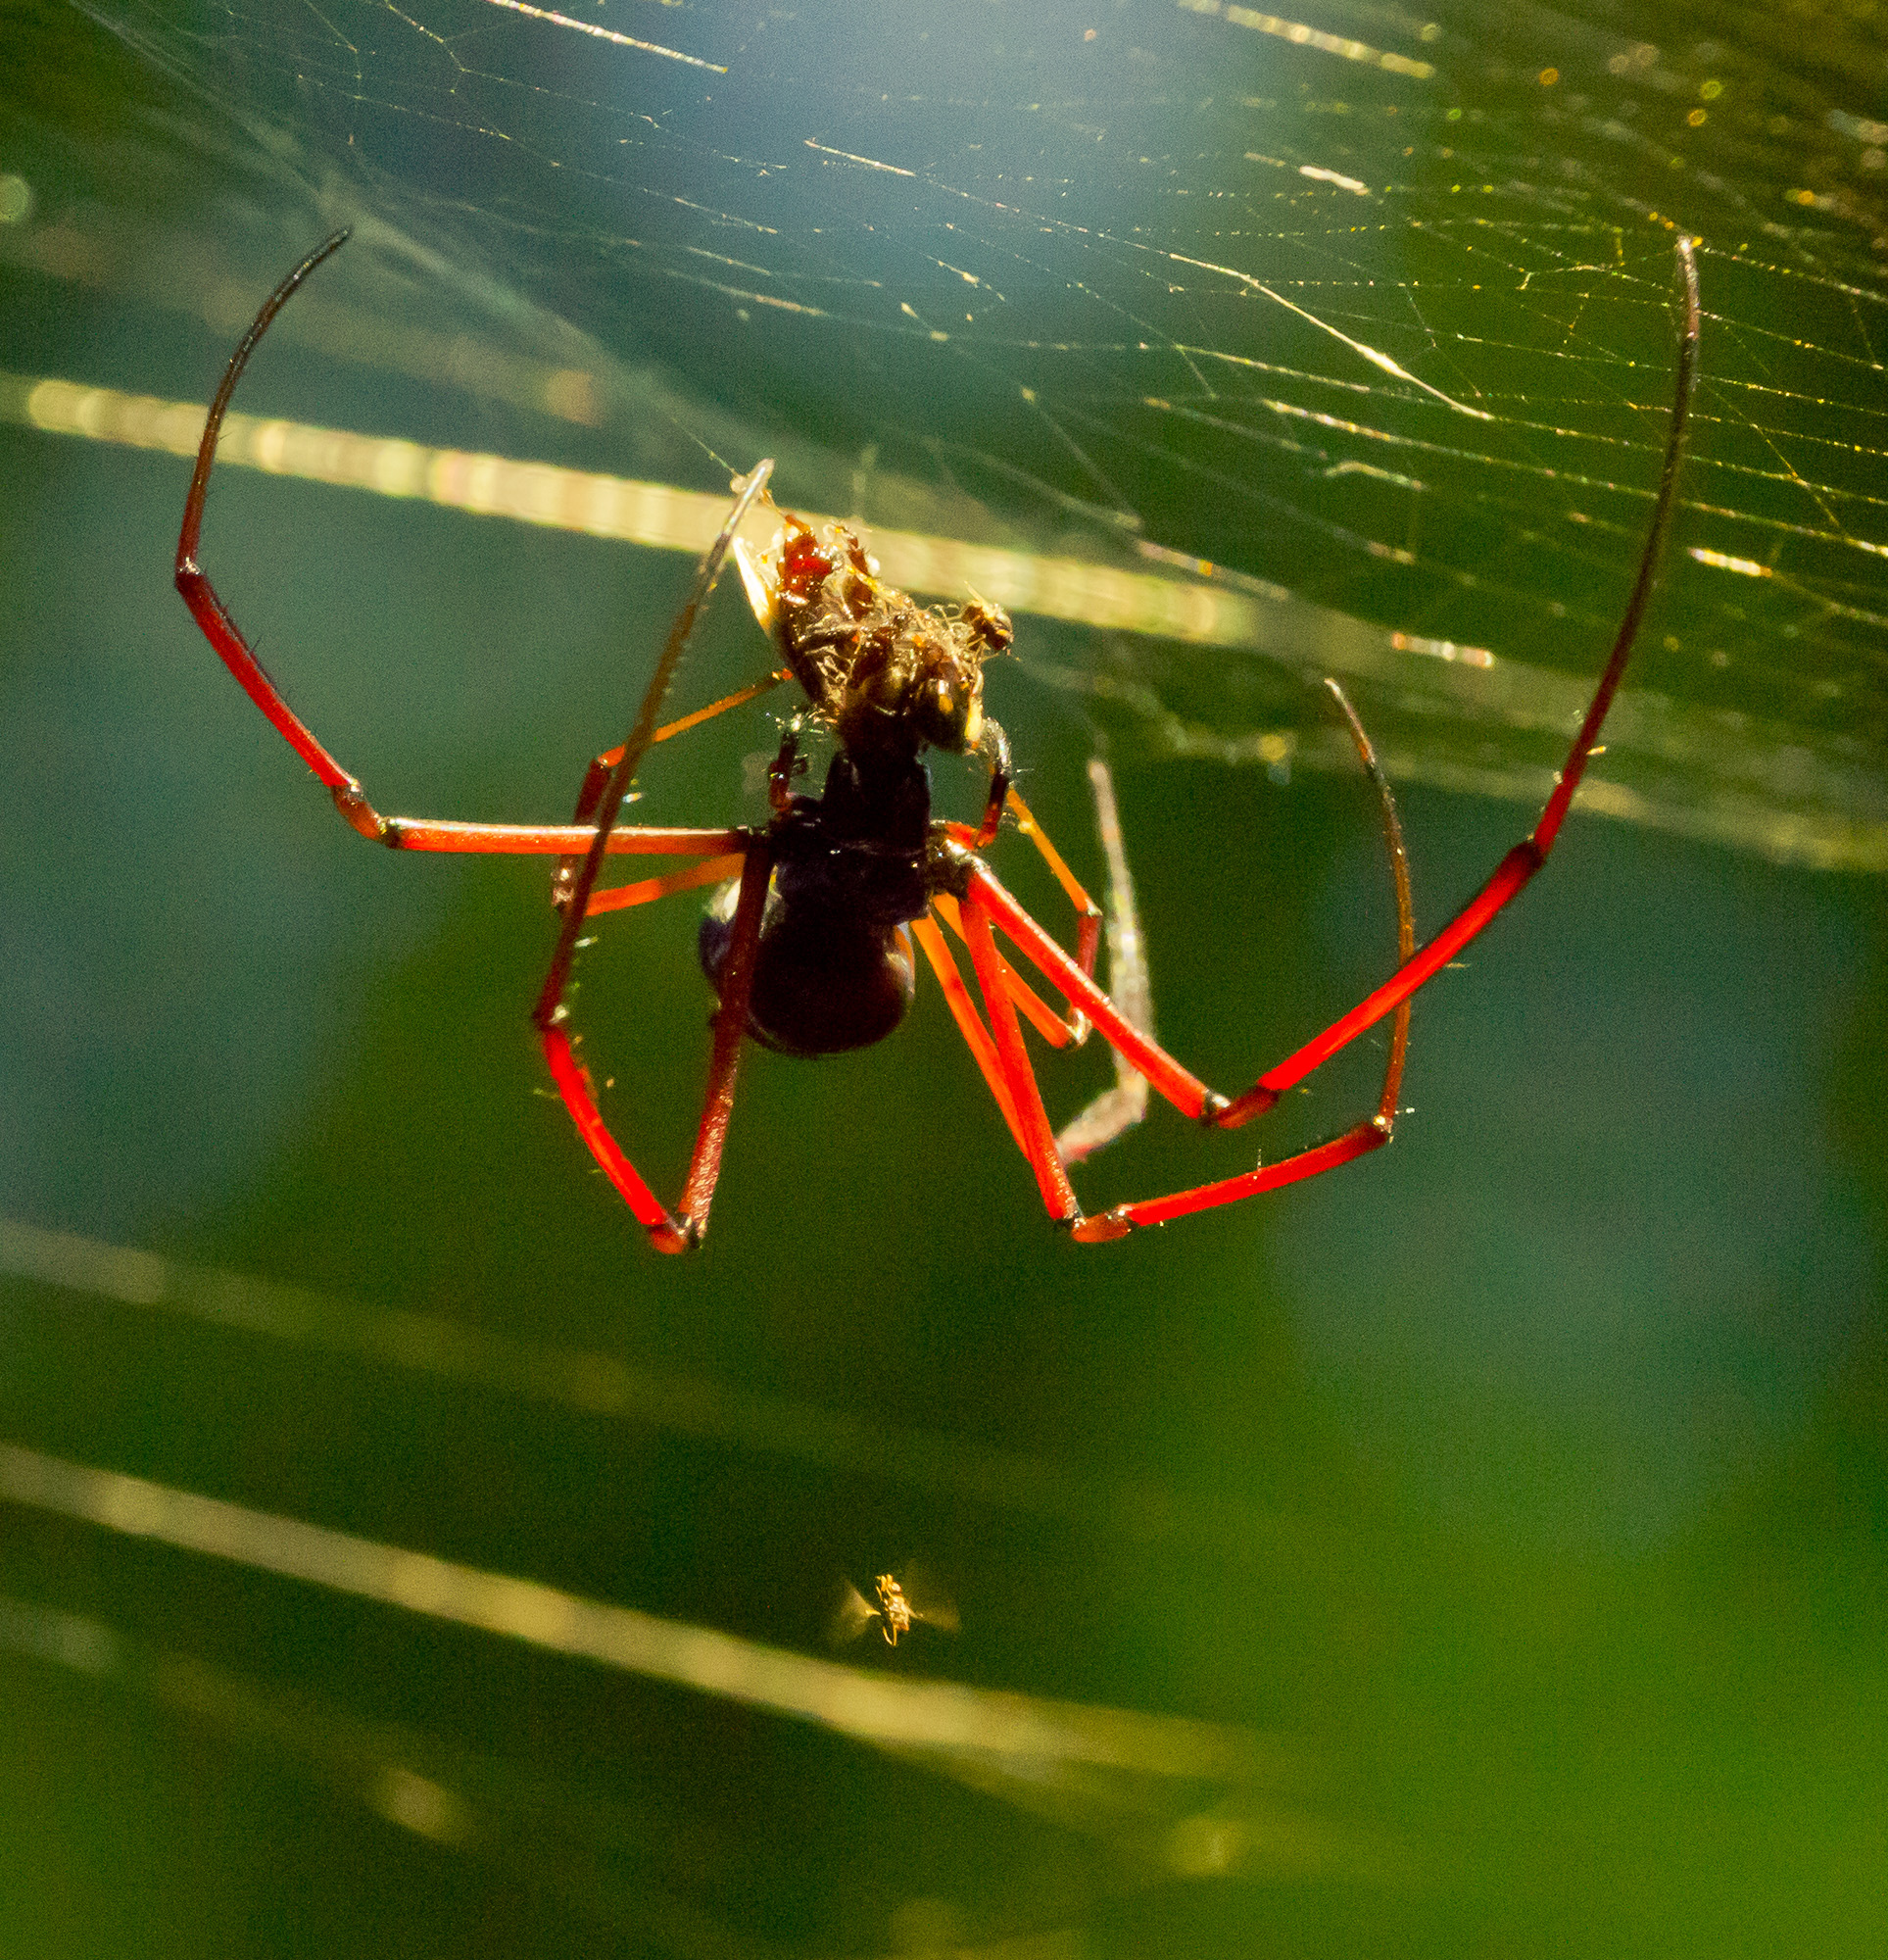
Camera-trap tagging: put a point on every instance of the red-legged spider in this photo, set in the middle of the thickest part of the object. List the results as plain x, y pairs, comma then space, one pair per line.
810, 949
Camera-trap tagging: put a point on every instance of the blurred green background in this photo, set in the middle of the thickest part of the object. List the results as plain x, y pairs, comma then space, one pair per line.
1517, 1499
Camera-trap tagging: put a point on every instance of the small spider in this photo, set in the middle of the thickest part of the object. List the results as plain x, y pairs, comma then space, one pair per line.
809, 943
900, 1606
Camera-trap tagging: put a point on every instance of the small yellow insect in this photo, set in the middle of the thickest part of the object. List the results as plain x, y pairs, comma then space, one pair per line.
897, 1609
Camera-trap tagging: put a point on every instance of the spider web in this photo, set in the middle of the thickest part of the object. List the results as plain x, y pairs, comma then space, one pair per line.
1359, 322
1352, 334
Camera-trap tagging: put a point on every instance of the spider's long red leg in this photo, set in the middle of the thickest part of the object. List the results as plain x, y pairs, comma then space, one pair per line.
208, 611
1166, 1076
1530, 854
730, 1031
221, 629
582, 845
1361, 1138
986, 901
681, 1230
574, 1079
400, 833
1150, 1063
1087, 914
1124, 1032
710, 872
1058, 1030
571, 892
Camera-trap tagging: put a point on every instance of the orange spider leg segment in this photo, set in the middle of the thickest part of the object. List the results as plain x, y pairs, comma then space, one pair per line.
1115, 1109
551, 840
1056, 1029
601, 767
1025, 1099
963, 1011
1051, 1027
737, 698
1087, 914
710, 872
986, 896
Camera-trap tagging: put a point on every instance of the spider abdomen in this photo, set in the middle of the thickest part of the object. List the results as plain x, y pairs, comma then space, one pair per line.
833, 967
824, 983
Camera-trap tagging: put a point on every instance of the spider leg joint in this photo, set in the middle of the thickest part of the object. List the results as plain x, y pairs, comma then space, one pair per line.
361, 815
669, 1237
948, 864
